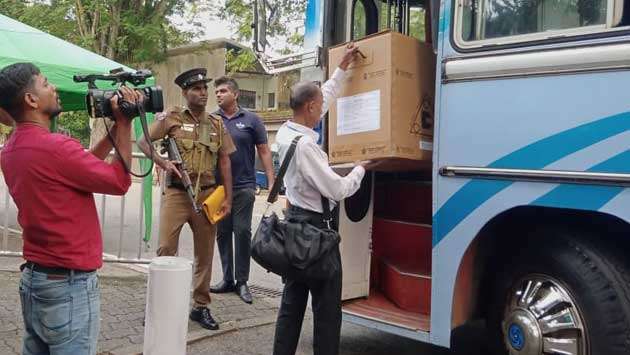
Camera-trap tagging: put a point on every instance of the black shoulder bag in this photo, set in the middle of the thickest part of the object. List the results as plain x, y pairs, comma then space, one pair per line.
295, 249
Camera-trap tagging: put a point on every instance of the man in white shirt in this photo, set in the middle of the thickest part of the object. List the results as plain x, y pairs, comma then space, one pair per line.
308, 178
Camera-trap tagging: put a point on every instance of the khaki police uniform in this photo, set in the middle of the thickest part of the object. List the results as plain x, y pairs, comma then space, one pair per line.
199, 143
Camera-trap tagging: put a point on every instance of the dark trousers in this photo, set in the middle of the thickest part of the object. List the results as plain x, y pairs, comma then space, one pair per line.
326, 305
239, 224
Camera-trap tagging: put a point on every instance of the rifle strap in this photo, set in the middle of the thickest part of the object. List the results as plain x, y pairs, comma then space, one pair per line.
203, 156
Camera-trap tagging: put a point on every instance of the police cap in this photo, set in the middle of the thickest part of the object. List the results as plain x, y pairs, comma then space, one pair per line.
192, 76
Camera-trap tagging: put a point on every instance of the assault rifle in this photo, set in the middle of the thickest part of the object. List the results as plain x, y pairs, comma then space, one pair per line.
176, 158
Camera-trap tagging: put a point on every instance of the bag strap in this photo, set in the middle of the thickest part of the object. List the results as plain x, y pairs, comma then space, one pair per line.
275, 189
326, 211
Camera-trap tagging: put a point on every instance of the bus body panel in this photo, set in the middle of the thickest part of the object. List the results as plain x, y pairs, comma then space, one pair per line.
568, 122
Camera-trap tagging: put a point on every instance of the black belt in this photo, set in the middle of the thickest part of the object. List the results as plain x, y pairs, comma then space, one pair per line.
181, 187
51, 270
304, 210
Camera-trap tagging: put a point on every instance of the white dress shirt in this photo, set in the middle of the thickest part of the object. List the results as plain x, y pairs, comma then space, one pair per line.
309, 176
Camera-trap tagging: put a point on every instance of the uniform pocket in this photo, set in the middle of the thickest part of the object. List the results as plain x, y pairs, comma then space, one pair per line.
186, 150
55, 318
213, 145
188, 144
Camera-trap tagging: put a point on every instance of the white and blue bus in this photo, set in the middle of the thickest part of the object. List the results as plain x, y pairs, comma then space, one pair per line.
524, 220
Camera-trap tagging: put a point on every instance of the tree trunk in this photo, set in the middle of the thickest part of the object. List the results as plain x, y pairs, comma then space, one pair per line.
94, 31
114, 29
80, 12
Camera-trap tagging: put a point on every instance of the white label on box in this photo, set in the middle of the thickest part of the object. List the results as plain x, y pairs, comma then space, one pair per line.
424, 145
359, 113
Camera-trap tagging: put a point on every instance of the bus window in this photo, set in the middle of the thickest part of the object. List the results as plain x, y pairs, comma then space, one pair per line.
364, 18
412, 15
503, 21
416, 23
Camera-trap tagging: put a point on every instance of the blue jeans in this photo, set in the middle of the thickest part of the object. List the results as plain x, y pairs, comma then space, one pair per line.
61, 313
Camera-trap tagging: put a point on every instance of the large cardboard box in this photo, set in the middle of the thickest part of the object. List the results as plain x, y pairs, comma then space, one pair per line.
385, 109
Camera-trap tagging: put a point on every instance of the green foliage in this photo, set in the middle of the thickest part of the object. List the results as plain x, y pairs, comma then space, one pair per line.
238, 61
416, 20
283, 18
5, 130
359, 21
127, 31
416, 24
75, 124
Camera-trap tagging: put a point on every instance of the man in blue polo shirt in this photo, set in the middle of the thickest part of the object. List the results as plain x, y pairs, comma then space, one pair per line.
248, 134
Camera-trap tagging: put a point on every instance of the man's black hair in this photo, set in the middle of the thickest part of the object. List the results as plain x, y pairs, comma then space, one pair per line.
15, 79
303, 92
226, 80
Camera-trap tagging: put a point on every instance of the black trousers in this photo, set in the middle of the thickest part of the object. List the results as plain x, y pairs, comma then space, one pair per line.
326, 305
239, 224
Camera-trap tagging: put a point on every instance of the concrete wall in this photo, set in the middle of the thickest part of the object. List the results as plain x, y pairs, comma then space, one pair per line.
262, 84
272, 130
284, 83
204, 55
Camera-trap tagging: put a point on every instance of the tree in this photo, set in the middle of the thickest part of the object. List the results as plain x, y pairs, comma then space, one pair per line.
284, 18
127, 31
75, 124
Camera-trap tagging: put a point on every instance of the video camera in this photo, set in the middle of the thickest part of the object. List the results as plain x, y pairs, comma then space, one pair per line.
97, 100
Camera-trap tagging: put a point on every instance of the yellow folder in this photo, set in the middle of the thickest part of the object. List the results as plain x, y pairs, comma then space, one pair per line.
212, 205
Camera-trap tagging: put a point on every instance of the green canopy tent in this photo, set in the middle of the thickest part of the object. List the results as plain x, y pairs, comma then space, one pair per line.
59, 61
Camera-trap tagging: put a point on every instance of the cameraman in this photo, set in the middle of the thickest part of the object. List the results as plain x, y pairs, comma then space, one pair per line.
51, 179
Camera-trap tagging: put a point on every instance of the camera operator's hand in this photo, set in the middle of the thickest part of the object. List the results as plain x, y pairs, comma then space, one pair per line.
128, 95
169, 167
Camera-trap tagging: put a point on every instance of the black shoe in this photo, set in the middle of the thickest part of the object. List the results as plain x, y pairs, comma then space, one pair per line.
243, 292
223, 287
202, 316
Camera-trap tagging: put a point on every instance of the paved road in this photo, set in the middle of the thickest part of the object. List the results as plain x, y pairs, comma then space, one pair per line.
355, 339
131, 241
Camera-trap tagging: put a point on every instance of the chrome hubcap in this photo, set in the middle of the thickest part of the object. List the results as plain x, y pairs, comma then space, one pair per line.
541, 317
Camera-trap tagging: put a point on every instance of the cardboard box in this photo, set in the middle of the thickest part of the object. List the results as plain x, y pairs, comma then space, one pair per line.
385, 110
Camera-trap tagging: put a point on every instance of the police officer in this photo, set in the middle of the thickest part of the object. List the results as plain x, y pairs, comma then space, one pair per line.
203, 143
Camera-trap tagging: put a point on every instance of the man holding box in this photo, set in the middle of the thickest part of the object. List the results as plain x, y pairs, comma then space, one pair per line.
308, 179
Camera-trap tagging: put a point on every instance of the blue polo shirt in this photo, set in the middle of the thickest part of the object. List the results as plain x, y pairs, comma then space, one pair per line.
247, 131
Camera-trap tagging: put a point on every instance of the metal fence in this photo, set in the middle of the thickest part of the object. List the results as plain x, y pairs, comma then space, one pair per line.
117, 256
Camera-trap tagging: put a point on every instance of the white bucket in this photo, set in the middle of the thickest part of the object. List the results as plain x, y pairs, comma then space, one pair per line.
168, 299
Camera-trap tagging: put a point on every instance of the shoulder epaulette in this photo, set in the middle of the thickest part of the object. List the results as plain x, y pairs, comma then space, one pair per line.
175, 109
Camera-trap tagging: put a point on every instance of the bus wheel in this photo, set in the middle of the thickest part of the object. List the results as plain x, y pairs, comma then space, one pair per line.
562, 296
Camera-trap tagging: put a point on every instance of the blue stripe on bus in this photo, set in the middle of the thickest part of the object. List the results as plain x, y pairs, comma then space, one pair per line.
534, 156
588, 197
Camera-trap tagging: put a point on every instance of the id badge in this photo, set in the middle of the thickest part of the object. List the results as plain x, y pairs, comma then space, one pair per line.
188, 127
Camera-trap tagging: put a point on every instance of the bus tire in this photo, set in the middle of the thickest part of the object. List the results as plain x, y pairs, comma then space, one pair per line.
562, 295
